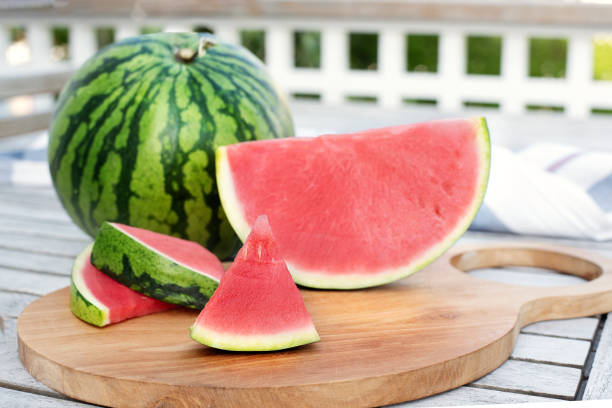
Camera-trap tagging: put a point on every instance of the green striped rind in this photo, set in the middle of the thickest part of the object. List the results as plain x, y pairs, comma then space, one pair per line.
146, 271
82, 303
257, 342
134, 134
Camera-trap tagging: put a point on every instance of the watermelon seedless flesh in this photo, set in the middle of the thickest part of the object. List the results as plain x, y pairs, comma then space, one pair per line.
358, 210
99, 300
257, 306
135, 130
163, 267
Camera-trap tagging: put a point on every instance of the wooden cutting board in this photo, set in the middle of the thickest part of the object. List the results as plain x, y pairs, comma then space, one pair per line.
431, 332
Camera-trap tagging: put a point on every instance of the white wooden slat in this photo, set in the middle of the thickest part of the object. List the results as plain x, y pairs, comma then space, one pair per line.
38, 36
16, 210
12, 372
472, 396
451, 68
4, 43
582, 328
35, 262
514, 70
551, 350
125, 30
536, 378
513, 276
33, 202
11, 303
31, 282
391, 65
278, 51
579, 74
599, 384
33, 244
227, 33
334, 63
42, 228
82, 42
19, 399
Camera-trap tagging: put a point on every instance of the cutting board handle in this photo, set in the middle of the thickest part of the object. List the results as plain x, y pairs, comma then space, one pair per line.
547, 303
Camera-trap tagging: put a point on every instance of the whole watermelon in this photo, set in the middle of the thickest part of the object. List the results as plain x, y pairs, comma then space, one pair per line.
135, 130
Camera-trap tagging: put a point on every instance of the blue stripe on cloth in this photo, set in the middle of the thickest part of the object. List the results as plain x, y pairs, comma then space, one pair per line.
486, 220
602, 193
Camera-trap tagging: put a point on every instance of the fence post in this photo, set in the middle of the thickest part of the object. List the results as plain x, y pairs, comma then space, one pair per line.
39, 40
4, 44
334, 63
123, 31
391, 66
579, 74
82, 43
514, 70
452, 68
279, 52
227, 34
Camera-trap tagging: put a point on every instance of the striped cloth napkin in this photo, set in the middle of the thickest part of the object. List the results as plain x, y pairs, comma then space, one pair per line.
544, 189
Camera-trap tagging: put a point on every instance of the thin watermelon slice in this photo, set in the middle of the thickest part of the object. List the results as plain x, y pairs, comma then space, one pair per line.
99, 300
257, 306
358, 210
166, 268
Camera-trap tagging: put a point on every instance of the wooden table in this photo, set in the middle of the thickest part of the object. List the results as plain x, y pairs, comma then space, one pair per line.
552, 361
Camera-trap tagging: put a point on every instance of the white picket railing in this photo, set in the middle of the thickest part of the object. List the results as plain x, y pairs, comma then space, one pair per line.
451, 86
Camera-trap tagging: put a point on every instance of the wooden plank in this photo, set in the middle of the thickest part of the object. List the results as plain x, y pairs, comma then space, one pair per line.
516, 276
31, 282
42, 228
473, 396
551, 350
19, 399
35, 262
12, 372
16, 125
46, 214
30, 83
581, 328
12, 303
33, 244
539, 379
599, 384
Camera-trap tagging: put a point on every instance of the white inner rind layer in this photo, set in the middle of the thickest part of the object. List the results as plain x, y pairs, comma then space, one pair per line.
255, 342
329, 280
81, 287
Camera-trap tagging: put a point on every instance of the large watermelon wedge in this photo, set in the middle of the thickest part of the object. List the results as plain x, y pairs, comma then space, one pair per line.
358, 210
167, 268
135, 130
257, 306
99, 300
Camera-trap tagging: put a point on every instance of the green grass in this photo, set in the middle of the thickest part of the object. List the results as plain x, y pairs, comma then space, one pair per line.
601, 111
547, 57
483, 55
602, 57
254, 41
545, 108
150, 29
306, 96
422, 53
104, 36
361, 99
307, 49
363, 51
483, 105
419, 101
61, 37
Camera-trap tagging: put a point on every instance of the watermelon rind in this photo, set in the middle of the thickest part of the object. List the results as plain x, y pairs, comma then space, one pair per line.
83, 303
317, 279
145, 270
268, 342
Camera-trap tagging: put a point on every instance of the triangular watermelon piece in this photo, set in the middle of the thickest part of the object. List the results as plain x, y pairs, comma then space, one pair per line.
363, 209
257, 306
99, 300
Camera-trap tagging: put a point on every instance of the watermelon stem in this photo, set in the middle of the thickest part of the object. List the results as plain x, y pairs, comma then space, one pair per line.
187, 55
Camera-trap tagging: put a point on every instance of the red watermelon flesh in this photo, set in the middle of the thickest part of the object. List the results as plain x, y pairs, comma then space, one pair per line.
100, 300
257, 306
363, 209
182, 251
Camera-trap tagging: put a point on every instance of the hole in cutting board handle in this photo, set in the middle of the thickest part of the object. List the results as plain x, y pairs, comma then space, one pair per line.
526, 257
